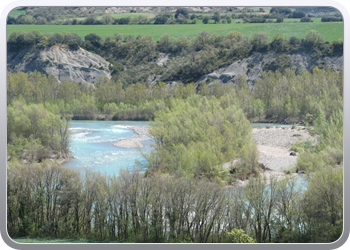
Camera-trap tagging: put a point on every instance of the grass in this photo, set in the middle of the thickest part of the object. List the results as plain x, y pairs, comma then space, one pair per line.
55, 240
330, 31
16, 12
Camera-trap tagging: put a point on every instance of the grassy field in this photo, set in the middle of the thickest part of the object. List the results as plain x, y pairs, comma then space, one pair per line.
17, 12
330, 31
54, 240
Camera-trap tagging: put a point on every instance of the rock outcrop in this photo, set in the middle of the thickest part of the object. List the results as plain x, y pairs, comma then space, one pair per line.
60, 61
254, 65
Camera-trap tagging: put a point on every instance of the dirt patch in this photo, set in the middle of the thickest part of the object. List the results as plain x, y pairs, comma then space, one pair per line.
274, 151
129, 143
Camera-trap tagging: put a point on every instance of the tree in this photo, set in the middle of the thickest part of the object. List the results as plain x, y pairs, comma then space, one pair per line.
90, 20
206, 20
165, 43
280, 18
298, 14
306, 20
279, 42
93, 39
11, 20
201, 40
216, 17
260, 41
262, 199
182, 11
312, 38
74, 41
161, 19
323, 205
193, 16
106, 19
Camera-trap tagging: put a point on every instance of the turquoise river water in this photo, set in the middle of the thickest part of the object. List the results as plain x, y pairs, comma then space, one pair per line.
91, 145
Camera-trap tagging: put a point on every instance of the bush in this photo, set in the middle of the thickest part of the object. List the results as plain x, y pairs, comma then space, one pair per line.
306, 20
331, 19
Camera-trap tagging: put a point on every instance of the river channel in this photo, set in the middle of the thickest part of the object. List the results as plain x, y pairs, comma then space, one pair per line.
92, 145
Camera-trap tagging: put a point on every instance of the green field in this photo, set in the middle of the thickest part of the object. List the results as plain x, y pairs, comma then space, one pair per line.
330, 31
16, 12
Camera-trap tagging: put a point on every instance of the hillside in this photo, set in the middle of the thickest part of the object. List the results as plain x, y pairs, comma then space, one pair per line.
254, 65
83, 66
60, 61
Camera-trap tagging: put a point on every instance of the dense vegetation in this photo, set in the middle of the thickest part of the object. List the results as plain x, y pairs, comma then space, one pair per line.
193, 137
47, 200
34, 133
288, 97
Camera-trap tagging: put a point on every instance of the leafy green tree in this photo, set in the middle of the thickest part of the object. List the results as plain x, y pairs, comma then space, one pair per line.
107, 19
260, 41
206, 20
323, 205
182, 146
279, 42
312, 38
93, 39
216, 17
298, 14
182, 11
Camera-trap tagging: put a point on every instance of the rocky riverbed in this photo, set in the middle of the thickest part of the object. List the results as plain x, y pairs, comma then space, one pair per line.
274, 146
134, 142
274, 150
139, 130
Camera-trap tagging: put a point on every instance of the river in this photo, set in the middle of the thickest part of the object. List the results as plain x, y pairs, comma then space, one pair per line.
92, 145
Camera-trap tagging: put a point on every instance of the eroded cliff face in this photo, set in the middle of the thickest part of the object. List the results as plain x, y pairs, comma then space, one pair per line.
254, 65
60, 61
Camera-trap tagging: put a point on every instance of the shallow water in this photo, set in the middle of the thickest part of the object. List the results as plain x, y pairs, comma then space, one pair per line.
261, 125
91, 145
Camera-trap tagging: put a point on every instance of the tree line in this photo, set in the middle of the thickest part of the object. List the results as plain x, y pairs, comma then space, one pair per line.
48, 200
287, 97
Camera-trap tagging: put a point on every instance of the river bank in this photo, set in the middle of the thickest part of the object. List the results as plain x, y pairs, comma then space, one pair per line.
273, 143
116, 144
134, 142
274, 146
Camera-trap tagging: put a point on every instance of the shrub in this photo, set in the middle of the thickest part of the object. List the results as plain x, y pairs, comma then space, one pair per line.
306, 20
